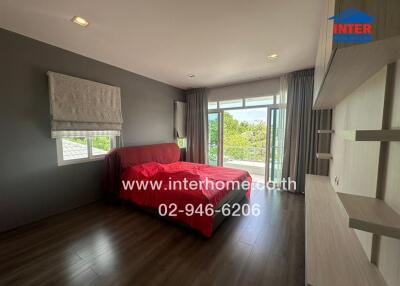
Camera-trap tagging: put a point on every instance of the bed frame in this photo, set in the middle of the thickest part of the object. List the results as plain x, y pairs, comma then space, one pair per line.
234, 197
119, 159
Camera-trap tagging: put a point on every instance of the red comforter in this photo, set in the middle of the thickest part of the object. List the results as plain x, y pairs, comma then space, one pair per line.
168, 191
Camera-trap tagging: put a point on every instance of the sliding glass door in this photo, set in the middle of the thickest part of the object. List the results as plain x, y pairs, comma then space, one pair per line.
214, 138
276, 123
245, 140
248, 134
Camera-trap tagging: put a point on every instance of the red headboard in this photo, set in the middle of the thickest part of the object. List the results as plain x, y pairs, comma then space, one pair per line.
161, 153
121, 158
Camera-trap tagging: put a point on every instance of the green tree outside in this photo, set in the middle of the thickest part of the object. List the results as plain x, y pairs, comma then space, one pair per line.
242, 140
99, 142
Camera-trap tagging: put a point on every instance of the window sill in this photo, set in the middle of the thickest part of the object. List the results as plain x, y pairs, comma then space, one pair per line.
79, 161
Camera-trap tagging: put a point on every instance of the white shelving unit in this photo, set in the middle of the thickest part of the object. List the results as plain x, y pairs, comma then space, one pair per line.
334, 255
324, 156
371, 215
370, 135
326, 131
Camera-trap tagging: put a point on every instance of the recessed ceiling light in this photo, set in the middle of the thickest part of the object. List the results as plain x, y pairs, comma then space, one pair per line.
191, 75
272, 57
80, 21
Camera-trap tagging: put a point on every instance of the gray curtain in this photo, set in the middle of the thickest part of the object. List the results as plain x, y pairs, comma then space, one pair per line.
301, 139
180, 119
197, 121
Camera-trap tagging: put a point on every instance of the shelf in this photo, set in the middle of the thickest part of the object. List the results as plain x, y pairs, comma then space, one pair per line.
361, 62
371, 215
326, 131
370, 135
334, 255
324, 156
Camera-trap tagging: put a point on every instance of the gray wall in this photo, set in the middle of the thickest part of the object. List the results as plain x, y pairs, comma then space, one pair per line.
247, 89
32, 186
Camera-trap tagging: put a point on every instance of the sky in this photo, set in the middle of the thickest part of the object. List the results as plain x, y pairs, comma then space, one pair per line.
249, 115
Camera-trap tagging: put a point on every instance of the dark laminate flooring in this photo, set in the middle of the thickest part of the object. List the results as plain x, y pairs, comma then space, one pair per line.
119, 245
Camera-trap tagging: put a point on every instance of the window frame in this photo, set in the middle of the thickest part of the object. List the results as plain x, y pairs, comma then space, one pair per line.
208, 105
231, 100
184, 140
270, 107
90, 158
273, 96
275, 104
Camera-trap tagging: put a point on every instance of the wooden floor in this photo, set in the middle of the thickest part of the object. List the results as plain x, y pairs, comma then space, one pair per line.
112, 245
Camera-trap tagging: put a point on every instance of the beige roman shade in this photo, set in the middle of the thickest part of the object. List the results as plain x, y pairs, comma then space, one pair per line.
79, 106
180, 119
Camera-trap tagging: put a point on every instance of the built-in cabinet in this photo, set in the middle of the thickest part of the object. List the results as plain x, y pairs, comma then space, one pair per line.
341, 67
334, 255
325, 44
352, 217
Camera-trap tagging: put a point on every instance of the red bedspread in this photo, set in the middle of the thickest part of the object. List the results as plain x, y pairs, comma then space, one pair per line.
168, 190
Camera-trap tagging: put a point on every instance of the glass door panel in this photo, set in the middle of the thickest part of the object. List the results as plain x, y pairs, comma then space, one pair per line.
213, 138
276, 136
244, 140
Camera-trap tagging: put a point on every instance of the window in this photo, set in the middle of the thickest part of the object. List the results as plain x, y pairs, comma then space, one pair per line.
213, 138
260, 101
231, 103
213, 105
78, 149
181, 142
256, 101
74, 148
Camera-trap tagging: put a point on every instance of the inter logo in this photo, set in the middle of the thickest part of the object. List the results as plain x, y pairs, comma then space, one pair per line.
352, 26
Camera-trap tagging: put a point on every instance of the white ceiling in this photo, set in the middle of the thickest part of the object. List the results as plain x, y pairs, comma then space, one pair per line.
220, 41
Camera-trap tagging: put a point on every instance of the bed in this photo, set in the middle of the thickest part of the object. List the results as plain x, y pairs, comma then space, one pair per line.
152, 177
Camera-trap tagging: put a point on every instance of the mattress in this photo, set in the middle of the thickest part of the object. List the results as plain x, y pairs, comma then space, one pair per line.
183, 184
